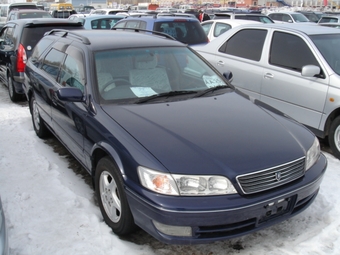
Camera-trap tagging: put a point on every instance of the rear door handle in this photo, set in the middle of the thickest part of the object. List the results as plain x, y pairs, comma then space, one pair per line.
269, 76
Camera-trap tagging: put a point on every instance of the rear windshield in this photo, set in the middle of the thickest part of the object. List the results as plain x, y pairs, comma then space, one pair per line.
32, 35
32, 15
185, 31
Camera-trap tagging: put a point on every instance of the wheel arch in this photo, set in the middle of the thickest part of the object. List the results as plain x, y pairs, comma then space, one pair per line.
330, 119
103, 149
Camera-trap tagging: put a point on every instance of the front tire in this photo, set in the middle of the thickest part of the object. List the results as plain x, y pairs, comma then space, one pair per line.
38, 123
14, 96
112, 198
334, 137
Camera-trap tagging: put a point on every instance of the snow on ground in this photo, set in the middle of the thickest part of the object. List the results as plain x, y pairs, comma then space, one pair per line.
50, 209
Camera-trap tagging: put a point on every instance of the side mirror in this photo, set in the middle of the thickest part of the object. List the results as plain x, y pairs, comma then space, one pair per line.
310, 71
70, 95
228, 75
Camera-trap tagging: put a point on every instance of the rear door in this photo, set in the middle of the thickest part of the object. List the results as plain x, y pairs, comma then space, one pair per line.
242, 55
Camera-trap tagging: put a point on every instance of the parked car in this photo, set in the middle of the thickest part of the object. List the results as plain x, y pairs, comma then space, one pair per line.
4, 248
62, 14
247, 16
334, 25
106, 11
329, 19
288, 17
293, 68
171, 146
214, 28
79, 17
28, 14
184, 29
17, 39
22, 5
97, 21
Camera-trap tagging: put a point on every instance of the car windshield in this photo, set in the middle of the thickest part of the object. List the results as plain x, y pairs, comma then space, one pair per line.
130, 75
298, 17
328, 45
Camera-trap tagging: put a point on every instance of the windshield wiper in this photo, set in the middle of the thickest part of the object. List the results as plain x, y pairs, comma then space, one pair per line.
212, 89
165, 94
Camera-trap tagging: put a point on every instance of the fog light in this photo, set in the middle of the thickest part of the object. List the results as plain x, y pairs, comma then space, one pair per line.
173, 230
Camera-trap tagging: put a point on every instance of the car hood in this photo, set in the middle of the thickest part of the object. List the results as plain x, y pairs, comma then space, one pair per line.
212, 135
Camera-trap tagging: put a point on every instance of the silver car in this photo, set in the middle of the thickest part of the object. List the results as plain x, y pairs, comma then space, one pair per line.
294, 68
3, 233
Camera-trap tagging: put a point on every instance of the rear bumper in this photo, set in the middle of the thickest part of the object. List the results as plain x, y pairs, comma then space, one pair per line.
222, 217
18, 83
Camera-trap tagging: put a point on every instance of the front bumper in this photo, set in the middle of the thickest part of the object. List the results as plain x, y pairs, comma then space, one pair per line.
222, 217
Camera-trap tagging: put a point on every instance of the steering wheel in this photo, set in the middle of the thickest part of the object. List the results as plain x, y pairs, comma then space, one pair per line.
113, 83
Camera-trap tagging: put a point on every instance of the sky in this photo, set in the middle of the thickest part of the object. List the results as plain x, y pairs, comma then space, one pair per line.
50, 208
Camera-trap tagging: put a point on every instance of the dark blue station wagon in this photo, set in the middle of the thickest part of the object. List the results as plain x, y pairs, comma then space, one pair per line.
172, 147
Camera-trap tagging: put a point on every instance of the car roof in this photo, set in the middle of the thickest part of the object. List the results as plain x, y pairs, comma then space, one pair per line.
44, 21
102, 16
157, 18
28, 10
97, 39
308, 29
232, 21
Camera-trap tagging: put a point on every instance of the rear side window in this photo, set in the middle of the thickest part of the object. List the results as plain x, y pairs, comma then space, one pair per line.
290, 52
247, 43
40, 48
189, 32
52, 61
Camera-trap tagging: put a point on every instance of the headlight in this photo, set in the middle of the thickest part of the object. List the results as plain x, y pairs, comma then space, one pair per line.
313, 154
185, 185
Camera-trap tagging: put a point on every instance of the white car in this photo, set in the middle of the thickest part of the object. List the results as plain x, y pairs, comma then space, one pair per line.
288, 17
214, 28
293, 68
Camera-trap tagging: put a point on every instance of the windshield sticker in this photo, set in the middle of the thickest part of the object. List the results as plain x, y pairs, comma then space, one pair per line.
143, 91
212, 81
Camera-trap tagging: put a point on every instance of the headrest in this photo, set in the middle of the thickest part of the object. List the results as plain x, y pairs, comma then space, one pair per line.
147, 61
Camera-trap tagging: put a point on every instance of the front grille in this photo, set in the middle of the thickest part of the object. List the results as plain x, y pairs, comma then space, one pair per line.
271, 177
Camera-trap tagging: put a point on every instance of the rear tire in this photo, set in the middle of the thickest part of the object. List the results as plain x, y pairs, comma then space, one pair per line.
38, 123
112, 199
334, 137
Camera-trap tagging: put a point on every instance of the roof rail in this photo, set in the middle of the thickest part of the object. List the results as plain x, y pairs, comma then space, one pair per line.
84, 39
145, 30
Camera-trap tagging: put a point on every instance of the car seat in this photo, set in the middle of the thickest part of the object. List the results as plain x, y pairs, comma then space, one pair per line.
147, 74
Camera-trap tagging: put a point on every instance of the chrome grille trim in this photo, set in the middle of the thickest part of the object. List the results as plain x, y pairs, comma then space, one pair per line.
271, 177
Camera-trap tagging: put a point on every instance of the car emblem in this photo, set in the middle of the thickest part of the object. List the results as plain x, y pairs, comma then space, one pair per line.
278, 176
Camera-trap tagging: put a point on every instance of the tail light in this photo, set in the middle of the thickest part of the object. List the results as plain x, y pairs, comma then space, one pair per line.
21, 59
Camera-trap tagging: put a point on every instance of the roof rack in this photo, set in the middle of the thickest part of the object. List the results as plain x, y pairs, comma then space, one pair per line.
84, 39
145, 30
